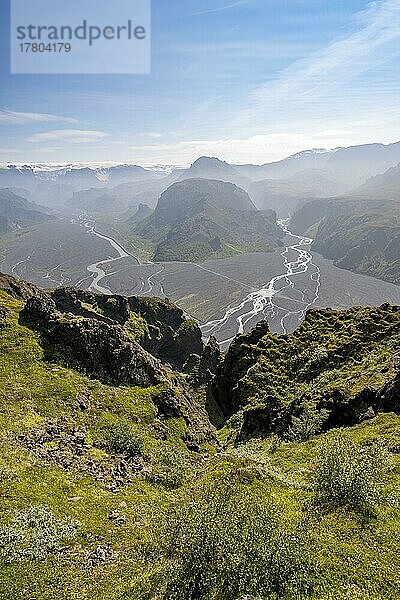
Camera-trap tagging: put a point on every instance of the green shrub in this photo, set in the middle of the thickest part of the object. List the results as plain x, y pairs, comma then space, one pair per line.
228, 543
34, 533
124, 438
348, 474
309, 422
172, 469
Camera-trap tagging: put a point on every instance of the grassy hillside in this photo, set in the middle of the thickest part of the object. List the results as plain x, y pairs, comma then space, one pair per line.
103, 496
359, 235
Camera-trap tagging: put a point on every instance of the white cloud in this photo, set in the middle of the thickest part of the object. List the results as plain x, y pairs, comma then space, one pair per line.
345, 59
11, 117
73, 136
151, 134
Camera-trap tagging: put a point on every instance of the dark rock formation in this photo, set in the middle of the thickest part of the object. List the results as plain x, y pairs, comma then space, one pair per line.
177, 403
226, 390
104, 350
274, 417
210, 360
166, 334
109, 309
389, 395
202, 368
18, 289
101, 350
261, 421
170, 337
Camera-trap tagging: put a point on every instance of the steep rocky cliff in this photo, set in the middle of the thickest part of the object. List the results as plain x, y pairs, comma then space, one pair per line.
97, 348
157, 325
346, 363
118, 341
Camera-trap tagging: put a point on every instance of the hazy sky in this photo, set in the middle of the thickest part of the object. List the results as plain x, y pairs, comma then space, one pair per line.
244, 80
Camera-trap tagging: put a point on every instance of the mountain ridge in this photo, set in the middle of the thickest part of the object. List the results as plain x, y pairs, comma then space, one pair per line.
17, 212
198, 218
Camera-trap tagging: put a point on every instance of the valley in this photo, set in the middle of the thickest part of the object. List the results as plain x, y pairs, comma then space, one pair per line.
200, 302
170, 362
226, 296
214, 238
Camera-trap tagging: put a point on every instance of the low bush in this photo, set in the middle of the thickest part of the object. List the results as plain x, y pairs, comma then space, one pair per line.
228, 543
6, 474
124, 438
171, 467
348, 474
34, 534
308, 423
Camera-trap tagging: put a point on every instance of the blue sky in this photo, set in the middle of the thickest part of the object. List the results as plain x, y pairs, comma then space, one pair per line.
247, 81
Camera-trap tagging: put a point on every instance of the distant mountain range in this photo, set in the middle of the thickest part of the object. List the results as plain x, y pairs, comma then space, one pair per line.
30, 175
282, 185
55, 185
308, 159
196, 219
353, 165
285, 185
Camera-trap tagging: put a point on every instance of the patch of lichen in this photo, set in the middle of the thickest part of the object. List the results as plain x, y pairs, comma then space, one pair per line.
136, 326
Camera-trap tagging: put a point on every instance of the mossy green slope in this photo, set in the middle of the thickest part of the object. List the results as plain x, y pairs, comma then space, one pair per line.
354, 555
333, 357
360, 235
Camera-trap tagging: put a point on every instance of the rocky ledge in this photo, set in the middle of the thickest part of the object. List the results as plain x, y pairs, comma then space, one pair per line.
344, 363
158, 326
99, 349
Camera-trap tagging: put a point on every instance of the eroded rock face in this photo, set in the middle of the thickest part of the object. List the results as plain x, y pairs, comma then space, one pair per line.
261, 421
101, 350
18, 289
227, 388
177, 403
109, 309
389, 395
105, 351
165, 332
274, 417
202, 368
171, 337
211, 359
